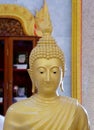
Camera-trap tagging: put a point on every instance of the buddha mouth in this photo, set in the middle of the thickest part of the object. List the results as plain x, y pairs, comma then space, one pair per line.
50, 87
48, 84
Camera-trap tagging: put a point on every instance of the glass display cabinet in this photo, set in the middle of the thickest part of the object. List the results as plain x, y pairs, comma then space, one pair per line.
15, 83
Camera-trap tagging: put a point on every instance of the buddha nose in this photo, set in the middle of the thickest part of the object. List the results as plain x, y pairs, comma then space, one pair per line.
47, 76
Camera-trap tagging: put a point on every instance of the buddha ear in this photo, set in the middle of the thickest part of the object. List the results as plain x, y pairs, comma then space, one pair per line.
30, 73
61, 86
31, 77
62, 75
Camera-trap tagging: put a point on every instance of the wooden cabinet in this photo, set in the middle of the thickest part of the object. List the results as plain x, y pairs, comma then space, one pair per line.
15, 83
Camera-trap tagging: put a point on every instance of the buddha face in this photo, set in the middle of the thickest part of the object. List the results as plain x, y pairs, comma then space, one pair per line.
47, 75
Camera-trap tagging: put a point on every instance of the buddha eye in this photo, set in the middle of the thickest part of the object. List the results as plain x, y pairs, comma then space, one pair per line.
41, 72
54, 72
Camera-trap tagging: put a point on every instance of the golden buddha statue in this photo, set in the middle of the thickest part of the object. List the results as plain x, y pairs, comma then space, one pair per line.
45, 110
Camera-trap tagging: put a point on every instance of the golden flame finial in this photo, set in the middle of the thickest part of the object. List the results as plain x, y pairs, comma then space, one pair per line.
43, 21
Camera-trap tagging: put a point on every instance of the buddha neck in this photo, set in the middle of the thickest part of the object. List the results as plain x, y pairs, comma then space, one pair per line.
45, 99
47, 95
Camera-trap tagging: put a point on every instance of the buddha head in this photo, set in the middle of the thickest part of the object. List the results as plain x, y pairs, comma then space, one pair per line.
46, 66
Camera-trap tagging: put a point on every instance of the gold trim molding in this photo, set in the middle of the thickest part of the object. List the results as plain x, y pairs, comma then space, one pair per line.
76, 49
21, 14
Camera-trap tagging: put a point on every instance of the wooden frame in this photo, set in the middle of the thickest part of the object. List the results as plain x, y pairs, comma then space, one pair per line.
76, 49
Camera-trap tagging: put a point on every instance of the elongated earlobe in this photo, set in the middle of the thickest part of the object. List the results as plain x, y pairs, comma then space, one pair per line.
61, 86
33, 88
61, 81
30, 74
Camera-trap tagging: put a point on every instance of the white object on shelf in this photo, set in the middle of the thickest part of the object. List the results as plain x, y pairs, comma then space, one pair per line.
1, 99
20, 66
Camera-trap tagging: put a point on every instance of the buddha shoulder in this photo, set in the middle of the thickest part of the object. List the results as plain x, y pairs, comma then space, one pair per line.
69, 101
20, 106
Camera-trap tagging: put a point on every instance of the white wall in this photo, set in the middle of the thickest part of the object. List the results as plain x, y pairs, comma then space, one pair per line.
87, 58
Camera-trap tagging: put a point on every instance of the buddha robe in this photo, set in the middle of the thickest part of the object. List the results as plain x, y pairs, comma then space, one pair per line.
34, 113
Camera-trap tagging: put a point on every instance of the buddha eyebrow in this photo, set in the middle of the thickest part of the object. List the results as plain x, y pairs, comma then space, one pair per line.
40, 67
55, 67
